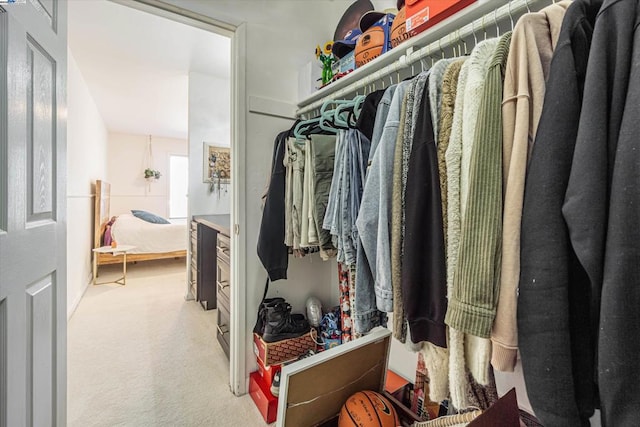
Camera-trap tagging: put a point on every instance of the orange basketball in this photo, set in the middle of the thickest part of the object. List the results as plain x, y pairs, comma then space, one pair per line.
368, 409
399, 29
369, 46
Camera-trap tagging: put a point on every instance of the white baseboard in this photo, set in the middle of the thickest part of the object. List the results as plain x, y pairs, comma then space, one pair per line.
74, 305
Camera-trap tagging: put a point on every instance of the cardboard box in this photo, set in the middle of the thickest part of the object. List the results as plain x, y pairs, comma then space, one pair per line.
266, 402
336, 374
267, 372
423, 14
345, 64
276, 353
358, 365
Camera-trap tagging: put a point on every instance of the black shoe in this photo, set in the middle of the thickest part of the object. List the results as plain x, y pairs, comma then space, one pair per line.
281, 324
262, 313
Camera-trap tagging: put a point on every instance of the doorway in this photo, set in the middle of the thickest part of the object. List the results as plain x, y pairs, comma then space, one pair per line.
173, 211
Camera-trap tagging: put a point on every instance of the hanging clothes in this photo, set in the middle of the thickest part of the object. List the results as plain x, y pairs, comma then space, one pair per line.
534, 39
272, 250
406, 130
554, 327
365, 313
475, 284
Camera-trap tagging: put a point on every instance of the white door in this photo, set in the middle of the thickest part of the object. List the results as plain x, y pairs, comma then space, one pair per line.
33, 67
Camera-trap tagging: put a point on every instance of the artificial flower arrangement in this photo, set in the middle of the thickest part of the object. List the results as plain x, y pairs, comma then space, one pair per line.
325, 56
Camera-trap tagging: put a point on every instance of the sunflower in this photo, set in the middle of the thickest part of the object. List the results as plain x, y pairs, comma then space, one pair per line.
327, 47
318, 51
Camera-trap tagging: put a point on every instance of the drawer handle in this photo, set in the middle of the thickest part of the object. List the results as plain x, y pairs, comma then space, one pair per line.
223, 250
222, 285
221, 331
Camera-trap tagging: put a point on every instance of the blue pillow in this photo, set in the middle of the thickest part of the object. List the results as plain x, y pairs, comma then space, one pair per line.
149, 217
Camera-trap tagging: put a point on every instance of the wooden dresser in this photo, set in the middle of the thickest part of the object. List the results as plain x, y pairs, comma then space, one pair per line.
223, 286
202, 277
210, 272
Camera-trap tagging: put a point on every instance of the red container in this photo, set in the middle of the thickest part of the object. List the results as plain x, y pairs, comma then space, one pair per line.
266, 402
422, 14
267, 372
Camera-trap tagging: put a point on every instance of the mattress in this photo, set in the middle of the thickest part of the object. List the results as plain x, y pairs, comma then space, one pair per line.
148, 237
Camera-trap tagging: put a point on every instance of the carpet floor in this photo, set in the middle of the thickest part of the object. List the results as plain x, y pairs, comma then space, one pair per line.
140, 355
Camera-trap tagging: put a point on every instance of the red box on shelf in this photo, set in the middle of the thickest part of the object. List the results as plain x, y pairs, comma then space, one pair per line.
267, 372
276, 353
422, 14
266, 402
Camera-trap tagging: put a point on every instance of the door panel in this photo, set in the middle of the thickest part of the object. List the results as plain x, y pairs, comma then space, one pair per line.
40, 132
41, 324
3, 361
4, 40
47, 9
33, 56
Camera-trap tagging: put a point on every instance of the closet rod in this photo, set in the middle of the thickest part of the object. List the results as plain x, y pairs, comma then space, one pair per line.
507, 11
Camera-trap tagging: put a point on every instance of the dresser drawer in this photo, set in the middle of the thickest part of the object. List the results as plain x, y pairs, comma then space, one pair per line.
223, 248
223, 330
223, 278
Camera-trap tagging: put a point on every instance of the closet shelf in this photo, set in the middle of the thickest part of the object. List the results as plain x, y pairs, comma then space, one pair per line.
473, 20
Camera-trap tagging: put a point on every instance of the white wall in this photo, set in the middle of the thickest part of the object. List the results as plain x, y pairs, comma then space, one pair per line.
211, 123
87, 161
126, 164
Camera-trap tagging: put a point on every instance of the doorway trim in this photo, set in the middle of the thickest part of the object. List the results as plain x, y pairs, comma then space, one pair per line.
238, 379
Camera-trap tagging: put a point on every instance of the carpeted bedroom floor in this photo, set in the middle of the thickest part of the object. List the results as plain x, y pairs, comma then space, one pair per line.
140, 355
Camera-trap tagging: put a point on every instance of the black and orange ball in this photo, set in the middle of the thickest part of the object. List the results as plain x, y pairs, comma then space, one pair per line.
369, 46
399, 29
368, 409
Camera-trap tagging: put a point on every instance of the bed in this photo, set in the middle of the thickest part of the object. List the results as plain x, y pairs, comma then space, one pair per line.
152, 241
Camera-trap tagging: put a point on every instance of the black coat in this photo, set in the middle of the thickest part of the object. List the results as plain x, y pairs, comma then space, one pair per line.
554, 331
587, 209
619, 334
272, 251
424, 283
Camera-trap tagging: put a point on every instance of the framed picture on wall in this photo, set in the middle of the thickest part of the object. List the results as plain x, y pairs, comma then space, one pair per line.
217, 163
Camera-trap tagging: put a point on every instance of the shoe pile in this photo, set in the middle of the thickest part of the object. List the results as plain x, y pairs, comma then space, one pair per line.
276, 322
275, 385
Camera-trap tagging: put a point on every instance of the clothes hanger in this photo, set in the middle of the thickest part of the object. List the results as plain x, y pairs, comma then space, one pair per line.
484, 29
527, 4
303, 126
473, 31
495, 21
511, 16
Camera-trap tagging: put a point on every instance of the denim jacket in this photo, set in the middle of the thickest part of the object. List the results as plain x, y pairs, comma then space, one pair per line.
374, 218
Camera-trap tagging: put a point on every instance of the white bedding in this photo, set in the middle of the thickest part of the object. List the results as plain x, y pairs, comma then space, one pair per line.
147, 237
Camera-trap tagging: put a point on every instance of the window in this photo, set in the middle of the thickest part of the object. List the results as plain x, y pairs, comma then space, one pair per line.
178, 186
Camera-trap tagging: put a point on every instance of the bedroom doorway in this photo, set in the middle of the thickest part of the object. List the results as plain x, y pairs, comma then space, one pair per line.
236, 367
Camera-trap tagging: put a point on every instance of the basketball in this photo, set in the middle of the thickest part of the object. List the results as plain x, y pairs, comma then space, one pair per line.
368, 409
369, 46
399, 29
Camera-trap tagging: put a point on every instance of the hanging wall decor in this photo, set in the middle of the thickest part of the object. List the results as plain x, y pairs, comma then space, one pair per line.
216, 166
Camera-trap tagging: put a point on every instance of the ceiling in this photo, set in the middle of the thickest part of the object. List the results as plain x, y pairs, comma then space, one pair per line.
136, 66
